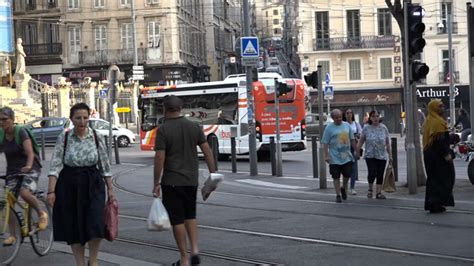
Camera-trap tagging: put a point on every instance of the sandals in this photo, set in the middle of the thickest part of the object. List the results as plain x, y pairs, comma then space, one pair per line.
370, 195
9, 241
43, 220
380, 196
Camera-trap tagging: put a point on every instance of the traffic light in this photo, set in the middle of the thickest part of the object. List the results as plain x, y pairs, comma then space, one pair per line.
312, 79
416, 43
282, 88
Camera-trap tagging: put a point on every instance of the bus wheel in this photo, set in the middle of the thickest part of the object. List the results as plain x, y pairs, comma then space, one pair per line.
470, 171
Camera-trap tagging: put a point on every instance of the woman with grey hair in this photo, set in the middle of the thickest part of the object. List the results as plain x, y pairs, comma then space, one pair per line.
23, 169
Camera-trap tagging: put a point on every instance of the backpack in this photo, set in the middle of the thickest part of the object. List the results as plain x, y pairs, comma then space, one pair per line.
16, 133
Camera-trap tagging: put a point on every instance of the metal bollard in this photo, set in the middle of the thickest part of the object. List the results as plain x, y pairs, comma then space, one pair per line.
395, 158
272, 155
214, 142
117, 158
314, 151
138, 125
43, 152
233, 154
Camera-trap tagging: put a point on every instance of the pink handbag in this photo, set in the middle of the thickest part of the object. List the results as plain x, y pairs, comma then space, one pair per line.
111, 220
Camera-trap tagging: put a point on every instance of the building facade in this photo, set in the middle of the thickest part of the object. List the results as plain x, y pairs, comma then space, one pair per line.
357, 43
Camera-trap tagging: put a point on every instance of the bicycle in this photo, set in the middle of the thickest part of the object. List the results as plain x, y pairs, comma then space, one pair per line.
25, 221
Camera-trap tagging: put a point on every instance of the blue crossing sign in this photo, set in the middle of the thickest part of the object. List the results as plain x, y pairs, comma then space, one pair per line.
103, 94
328, 92
249, 47
328, 78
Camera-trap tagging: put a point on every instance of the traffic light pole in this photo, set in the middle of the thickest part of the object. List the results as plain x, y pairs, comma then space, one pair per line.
279, 160
250, 103
470, 37
410, 110
322, 163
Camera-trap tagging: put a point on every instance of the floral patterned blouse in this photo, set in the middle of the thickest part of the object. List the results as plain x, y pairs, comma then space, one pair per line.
79, 153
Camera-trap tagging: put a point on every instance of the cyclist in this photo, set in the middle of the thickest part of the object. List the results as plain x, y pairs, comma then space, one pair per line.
21, 167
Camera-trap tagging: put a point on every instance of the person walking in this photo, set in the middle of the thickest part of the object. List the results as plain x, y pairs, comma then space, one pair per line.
377, 150
23, 169
355, 126
463, 119
76, 190
176, 171
337, 141
438, 159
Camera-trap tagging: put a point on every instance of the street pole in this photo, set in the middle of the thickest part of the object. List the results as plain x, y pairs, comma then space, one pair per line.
250, 104
134, 35
112, 99
322, 163
470, 34
410, 110
329, 107
279, 161
452, 107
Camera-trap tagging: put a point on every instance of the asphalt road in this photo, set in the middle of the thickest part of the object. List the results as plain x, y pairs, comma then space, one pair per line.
287, 221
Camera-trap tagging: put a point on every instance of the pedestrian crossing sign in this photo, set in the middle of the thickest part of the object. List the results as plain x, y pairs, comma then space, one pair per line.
249, 47
328, 92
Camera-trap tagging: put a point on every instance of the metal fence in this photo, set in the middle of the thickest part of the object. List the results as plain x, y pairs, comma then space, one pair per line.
50, 104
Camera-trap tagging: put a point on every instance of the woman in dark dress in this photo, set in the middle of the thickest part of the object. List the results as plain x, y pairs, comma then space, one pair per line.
79, 167
438, 160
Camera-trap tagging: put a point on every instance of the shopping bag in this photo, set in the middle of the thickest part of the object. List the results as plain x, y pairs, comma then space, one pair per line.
389, 180
158, 219
211, 184
111, 220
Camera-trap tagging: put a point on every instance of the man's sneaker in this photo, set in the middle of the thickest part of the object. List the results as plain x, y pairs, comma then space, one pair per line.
343, 193
195, 260
353, 192
338, 199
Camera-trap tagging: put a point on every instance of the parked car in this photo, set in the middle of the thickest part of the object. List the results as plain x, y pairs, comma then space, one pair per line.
50, 127
274, 61
273, 69
124, 136
312, 124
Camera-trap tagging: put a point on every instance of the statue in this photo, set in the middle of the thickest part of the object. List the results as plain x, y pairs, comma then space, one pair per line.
20, 57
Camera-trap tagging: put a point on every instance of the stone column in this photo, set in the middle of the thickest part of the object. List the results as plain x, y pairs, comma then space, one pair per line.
64, 102
90, 91
21, 83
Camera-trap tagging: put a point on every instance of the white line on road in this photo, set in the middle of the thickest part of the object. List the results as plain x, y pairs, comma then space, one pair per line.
268, 184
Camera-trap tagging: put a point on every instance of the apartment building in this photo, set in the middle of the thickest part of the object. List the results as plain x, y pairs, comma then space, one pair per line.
357, 43
94, 34
38, 23
271, 19
436, 53
223, 29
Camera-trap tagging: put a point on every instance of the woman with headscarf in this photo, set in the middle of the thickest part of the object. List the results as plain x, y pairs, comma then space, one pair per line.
438, 160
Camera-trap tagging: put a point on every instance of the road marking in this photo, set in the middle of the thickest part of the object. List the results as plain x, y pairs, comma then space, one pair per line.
136, 164
268, 184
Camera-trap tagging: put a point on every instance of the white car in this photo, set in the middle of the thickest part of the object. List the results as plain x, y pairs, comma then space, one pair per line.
124, 136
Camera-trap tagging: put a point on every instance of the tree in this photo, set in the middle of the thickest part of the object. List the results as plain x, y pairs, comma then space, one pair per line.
397, 12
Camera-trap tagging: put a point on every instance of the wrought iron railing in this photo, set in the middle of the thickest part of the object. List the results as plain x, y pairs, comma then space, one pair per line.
110, 56
43, 49
359, 42
444, 77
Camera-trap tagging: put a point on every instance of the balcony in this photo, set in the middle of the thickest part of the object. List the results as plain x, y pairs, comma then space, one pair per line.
111, 56
43, 49
350, 43
444, 77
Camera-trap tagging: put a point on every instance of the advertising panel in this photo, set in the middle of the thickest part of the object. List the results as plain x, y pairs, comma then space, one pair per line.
6, 26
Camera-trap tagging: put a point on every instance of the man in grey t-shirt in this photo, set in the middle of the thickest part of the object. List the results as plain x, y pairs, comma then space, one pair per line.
177, 172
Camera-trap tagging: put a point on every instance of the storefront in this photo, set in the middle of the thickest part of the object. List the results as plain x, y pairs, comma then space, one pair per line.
426, 93
388, 102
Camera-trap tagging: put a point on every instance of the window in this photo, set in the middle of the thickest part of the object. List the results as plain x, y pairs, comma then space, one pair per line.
445, 73
276, 21
30, 4
153, 34
99, 3
353, 24
72, 4
277, 31
51, 33
100, 33
445, 10
152, 2
354, 69
125, 2
275, 12
74, 39
266, 14
384, 18
324, 67
386, 68
322, 30
30, 34
126, 35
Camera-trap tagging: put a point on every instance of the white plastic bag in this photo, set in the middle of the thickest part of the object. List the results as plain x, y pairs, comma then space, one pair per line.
158, 219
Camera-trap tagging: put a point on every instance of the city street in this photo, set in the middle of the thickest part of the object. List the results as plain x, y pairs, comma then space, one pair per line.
285, 221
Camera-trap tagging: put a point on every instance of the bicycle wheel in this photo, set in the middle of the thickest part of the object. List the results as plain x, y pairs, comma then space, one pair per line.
41, 241
8, 253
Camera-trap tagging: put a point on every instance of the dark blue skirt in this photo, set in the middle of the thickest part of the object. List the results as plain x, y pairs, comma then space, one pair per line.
78, 212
